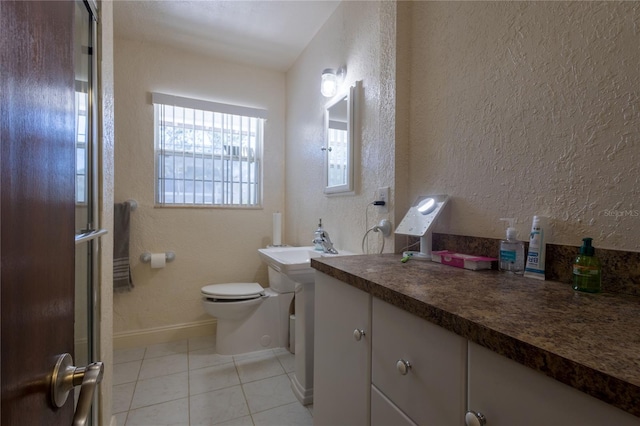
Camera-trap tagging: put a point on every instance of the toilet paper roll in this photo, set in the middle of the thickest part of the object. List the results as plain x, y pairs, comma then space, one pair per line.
277, 229
158, 260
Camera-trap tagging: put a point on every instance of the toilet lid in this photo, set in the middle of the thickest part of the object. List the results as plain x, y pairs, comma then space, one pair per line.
233, 291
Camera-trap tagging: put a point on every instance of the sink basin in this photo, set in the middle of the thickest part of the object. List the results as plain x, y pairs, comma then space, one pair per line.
292, 261
288, 259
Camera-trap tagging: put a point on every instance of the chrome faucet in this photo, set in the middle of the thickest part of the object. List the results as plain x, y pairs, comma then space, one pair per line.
327, 245
322, 239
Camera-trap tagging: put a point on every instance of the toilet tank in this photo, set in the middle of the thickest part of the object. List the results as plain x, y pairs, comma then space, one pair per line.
279, 282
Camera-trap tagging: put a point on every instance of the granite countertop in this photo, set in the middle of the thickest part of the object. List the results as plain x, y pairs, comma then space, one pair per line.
588, 341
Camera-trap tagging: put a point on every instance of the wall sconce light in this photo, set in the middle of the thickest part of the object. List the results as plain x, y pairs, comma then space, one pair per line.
330, 80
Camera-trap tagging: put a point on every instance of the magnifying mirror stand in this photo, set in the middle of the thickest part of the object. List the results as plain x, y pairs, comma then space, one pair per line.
425, 248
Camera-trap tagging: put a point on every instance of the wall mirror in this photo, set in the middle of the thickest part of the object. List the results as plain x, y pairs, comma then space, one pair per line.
340, 141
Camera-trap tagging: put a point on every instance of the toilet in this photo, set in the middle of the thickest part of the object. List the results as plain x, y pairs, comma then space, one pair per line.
250, 317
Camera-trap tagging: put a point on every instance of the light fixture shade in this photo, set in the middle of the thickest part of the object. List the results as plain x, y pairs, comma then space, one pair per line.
329, 84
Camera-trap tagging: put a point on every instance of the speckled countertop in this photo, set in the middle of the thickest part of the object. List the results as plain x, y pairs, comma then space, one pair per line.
590, 342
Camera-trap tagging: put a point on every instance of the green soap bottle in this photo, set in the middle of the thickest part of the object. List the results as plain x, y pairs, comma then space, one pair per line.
587, 272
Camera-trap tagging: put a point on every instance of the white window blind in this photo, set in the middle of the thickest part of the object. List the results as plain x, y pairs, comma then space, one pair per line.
207, 153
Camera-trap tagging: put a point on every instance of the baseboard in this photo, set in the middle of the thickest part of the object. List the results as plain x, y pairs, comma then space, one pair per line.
152, 336
305, 396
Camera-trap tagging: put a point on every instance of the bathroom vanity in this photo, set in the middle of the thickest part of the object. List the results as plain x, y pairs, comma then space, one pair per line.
424, 343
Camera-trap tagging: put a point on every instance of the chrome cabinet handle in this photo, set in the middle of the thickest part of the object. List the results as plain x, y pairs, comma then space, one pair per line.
358, 333
65, 377
403, 366
325, 149
475, 418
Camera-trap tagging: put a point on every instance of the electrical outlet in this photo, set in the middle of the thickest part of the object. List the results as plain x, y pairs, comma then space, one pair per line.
382, 194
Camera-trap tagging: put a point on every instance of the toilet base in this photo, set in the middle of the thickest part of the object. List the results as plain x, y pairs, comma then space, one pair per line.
234, 339
267, 327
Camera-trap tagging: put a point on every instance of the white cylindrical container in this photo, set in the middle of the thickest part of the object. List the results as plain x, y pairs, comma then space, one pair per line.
537, 249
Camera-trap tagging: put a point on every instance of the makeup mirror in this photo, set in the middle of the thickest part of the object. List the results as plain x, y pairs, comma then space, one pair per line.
419, 221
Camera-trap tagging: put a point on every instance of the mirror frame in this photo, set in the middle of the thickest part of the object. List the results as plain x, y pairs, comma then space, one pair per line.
352, 96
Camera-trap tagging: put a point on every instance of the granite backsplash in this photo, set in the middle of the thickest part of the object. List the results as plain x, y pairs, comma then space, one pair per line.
620, 269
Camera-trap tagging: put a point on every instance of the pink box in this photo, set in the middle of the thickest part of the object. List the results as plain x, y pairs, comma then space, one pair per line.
466, 261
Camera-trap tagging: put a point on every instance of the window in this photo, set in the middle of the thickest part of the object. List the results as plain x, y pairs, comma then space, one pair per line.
207, 154
82, 130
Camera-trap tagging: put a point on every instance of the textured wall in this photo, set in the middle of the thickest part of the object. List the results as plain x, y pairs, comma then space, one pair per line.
512, 108
523, 108
361, 36
106, 189
211, 245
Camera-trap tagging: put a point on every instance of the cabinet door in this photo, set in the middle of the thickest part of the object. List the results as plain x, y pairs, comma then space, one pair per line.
432, 392
508, 393
385, 413
342, 366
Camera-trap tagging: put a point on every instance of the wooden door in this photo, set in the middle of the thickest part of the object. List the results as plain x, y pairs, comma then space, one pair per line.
37, 206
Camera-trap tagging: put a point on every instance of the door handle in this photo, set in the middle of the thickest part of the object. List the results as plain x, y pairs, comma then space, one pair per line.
90, 235
65, 377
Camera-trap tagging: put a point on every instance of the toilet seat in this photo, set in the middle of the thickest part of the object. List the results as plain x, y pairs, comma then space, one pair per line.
233, 291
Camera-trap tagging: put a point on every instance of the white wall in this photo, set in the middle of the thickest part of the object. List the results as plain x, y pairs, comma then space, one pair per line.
361, 36
211, 245
529, 108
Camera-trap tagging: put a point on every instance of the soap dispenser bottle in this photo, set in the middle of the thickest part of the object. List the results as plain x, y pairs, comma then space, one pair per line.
317, 236
511, 251
587, 273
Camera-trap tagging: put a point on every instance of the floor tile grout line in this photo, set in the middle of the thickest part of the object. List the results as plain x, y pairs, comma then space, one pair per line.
246, 400
271, 353
188, 383
135, 386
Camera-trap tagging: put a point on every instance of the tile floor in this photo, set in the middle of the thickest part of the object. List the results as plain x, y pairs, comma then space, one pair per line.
186, 383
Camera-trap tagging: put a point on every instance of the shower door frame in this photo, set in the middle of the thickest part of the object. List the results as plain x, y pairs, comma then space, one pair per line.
89, 235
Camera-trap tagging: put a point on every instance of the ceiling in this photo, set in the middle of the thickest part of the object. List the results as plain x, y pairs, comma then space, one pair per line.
265, 33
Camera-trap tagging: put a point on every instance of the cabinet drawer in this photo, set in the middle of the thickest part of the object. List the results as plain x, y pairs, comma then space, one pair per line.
432, 390
385, 413
508, 393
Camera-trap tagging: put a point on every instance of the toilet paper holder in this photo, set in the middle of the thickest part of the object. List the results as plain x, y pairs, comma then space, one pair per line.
146, 257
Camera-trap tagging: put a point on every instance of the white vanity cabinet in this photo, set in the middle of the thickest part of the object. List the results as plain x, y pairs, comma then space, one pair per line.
376, 364
342, 353
507, 393
362, 348
420, 367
